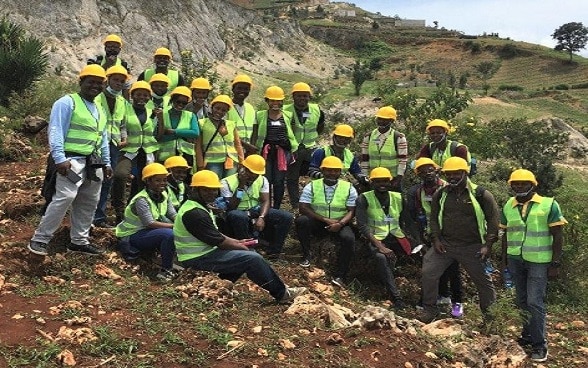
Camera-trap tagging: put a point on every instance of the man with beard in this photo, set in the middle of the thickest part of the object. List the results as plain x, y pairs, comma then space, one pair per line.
342, 136
419, 210
201, 246
440, 148
112, 47
378, 213
385, 147
308, 124
242, 112
79, 155
248, 207
464, 225
326, 207
162, 58
531, 248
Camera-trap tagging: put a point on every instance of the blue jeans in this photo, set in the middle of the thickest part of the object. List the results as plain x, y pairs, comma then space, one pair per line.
219, 169
100, 214
277, 224
232, 264
149, 240
530, 281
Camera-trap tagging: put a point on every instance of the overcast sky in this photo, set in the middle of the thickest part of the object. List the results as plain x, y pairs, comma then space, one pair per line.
522, 20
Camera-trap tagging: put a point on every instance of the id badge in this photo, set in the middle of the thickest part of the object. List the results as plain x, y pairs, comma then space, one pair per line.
305, 114
428, 198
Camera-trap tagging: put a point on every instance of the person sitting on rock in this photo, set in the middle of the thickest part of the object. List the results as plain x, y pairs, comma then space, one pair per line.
248, 210
326, 207
178, 173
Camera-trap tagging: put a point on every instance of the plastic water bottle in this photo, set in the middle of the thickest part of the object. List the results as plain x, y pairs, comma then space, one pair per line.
507, 278
488, 268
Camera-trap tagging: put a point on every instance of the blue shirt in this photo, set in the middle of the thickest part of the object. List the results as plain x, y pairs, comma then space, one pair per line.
317, 158
59, 122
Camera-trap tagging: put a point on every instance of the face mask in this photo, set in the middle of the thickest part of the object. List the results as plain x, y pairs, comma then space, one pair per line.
113, 92
330, 182
523, 194
454, 183
155, 95
383, 128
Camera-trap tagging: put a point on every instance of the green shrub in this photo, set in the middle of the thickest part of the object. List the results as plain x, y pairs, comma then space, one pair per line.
507, 87
579, 86
561, 87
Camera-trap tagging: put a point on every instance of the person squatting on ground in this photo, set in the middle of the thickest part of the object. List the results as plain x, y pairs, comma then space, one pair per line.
273, 134
308, 123
378, 213
532, 247
176, 180
327, 207
201, 246
148, 221
248, 207
137, 130
464, 225
418, 204
385, 147
79, 158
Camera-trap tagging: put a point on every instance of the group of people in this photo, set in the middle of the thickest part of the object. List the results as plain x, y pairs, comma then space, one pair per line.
209, 180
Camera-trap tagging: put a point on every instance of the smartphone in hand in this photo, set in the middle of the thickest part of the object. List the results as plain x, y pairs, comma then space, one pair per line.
72, 176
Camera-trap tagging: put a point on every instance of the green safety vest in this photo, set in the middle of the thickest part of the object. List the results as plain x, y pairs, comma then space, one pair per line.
113, 118
337, 207
530, 239
251, 196
85, 132
151, 105
221, 146
262, 117
439, 157
347, 157
131, 223
172, 74
187, 245
177, 200
426, 206
243, 123
380, 224
385, 156
480, 217
139, 136
178, 145
306, 133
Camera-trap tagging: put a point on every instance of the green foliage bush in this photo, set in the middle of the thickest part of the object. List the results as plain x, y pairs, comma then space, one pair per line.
510, 87
561, 87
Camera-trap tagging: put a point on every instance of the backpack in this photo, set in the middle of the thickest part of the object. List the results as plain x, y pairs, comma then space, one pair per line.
473, 162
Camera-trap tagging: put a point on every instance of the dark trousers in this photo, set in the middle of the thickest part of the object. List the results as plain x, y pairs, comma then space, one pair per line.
295, 171
275, 177
305, 226
277, 224
450, 283
385, 265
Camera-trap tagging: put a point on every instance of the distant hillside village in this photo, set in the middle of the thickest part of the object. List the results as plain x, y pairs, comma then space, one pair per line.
325, 9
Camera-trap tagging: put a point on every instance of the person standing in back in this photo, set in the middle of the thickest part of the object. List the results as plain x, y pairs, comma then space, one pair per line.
242, 112
112, 47
440, 148
78, 143
162, 60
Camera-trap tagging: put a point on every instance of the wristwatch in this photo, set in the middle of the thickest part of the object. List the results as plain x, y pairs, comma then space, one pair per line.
555, 264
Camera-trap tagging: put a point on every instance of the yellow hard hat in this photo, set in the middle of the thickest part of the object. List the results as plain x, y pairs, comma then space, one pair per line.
94, 70
455, 164
424, 161
274, 93
438, 123
140, 85
386, 112
182, 90
112, 38
522, 175
380, 173
343, 130
301, 87
224, 99
242, 78
205, 178
117, 69
255, 164
152, 170
200, 83
176, 161
162, 51
159, 77
332, 162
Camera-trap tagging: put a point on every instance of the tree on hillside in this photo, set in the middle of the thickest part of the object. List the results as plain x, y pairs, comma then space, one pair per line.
571, 37
23, 60
361, 73
486, 70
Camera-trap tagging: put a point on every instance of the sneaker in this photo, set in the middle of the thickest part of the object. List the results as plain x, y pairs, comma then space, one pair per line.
177, 268
305, 263
539, 354
443, 300
417, 249
428, 314
524, 342
38, 248
291, 294
339, 282
103, 225
457, 310
88, 249
166, 276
